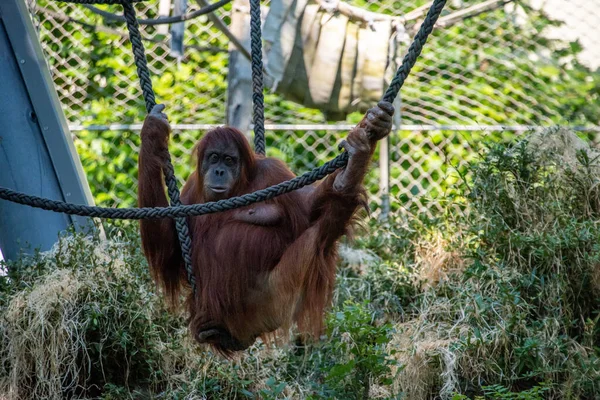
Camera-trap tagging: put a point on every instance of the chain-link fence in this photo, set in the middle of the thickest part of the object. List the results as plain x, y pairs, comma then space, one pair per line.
491, 70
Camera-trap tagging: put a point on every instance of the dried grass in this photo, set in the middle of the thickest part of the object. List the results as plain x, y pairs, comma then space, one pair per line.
560, 146
44, 330
357, 259
435, 260
44, 326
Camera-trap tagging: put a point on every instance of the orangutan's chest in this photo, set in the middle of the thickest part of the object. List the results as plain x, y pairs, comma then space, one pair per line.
247, 246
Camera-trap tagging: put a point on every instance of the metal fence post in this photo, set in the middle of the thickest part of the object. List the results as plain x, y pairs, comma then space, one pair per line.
384, 178
384, 163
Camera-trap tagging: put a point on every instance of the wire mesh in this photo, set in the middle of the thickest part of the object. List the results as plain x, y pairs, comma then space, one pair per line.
491, 70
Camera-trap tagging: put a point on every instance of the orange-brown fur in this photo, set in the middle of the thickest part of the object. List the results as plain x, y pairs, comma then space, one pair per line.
251, 279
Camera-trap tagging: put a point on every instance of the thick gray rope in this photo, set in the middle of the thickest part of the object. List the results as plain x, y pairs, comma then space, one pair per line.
258, 100
182, 210
181, 223
241, 201
414, 50
139, 53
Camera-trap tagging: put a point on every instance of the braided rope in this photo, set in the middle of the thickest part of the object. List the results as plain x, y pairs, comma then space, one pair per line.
139, 54
414, 50
181, 211
181, 225
258, 100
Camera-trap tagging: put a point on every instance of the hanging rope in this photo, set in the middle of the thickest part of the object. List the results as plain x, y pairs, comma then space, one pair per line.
414, 50
258, 100
178, 211
181, 224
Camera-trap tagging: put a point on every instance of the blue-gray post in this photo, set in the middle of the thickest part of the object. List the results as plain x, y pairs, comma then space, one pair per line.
37, 155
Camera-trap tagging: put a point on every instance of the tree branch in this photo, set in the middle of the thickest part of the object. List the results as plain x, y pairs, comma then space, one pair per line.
209, 8
352, 12
101, 28
220, 25
472, 11
361, 15
206, 9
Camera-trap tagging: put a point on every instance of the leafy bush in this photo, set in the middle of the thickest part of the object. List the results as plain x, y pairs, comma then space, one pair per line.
451, 84
354, 362
501, 302
524, 310
500, 392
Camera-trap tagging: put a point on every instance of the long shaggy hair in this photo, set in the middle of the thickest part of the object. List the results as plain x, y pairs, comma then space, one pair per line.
234, 261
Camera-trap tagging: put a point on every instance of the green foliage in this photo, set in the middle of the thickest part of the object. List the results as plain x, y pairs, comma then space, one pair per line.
516, 317
357, 354
501, 392
542, 217
529, 294
477, 71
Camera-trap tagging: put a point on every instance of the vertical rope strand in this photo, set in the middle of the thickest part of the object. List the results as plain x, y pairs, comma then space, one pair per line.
414, 50
257, 77
139, 54
181, 225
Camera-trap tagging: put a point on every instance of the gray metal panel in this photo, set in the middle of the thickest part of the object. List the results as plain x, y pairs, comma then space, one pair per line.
37, 155
44, 99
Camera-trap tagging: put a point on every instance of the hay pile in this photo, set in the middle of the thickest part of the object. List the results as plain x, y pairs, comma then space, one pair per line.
84, 321
47, 325
524, 314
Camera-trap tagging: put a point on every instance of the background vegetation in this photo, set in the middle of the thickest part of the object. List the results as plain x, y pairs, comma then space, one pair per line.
500, 303
499, 67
